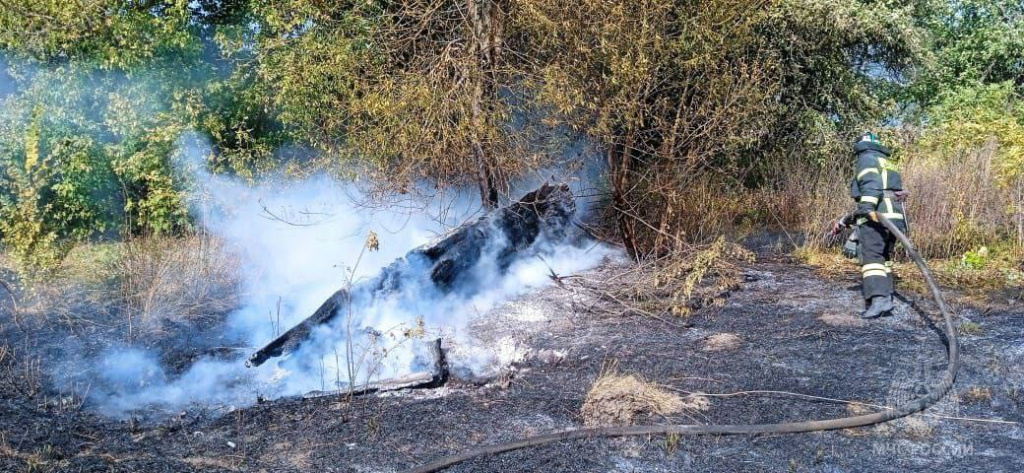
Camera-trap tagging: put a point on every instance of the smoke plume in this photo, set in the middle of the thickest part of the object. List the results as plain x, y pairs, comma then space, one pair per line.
300, 241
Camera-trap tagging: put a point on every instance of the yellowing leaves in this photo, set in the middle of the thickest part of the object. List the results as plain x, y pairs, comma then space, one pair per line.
969, 118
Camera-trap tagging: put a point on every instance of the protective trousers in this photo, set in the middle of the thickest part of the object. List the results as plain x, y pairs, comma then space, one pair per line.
876, 247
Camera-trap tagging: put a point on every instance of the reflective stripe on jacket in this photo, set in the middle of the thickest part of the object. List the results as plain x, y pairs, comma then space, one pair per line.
876, 174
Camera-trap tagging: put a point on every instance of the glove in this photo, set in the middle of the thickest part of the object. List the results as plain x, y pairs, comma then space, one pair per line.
851, 249
843, 222
838, 226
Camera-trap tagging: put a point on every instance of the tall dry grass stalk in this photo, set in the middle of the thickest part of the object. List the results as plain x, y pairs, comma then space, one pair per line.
175, 278
957, 204
1017, 196
806, 198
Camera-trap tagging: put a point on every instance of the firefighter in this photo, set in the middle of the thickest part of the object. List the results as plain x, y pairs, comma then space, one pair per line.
876, 187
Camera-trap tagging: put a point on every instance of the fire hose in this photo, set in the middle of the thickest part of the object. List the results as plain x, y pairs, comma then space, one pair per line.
917, 405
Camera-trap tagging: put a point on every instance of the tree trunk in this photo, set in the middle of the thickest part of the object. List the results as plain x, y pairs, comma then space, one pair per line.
619, 157
485, 47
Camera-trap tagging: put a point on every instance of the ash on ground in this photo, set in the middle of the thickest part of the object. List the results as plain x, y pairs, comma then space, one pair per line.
789, 329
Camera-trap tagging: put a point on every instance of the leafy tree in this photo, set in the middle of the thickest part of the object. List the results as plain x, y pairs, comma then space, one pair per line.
673, 90
414, 89
111, 33
972, 42
53, 191
79, 116
968, 118
112, 85
680, 96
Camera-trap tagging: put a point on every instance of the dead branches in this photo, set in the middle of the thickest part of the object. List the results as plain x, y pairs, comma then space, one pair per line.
676, 286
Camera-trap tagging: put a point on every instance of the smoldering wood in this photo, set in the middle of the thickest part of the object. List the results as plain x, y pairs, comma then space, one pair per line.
435, 376
503, 234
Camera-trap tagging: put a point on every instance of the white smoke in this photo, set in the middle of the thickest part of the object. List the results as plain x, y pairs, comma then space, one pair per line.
300, 241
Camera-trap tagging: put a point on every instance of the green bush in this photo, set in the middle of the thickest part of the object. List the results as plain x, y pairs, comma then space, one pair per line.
976, 116
55, 191
975, 259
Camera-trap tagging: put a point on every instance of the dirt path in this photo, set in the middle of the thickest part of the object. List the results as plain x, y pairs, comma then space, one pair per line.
797, 332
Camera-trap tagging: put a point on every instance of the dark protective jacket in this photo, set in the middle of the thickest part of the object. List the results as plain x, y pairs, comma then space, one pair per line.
877, 182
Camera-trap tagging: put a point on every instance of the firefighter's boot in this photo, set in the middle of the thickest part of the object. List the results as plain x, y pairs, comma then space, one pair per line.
880, 305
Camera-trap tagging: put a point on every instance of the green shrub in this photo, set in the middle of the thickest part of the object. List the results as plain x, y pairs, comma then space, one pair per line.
975, 259
977, 116
54, 192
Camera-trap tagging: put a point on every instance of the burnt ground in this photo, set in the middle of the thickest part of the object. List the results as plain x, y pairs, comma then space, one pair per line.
798, 332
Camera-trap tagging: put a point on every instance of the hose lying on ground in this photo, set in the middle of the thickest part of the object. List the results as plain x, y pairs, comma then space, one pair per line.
903, 410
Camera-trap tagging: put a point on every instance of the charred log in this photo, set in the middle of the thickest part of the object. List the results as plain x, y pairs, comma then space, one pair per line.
447, 266
434, 377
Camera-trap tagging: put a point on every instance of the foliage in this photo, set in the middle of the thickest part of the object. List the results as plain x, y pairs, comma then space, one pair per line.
94, 154
975, 259
109, 109
972, 42
970, 117
53, 192
701, 111
114, 34
680, 93
417, 89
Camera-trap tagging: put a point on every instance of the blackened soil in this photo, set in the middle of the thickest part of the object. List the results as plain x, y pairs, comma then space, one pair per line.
799, 333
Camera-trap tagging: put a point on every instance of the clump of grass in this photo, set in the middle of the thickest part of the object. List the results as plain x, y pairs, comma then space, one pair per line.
970, 328
722, 342
621, 399
977, 394
686, 281
916, 428
180, 278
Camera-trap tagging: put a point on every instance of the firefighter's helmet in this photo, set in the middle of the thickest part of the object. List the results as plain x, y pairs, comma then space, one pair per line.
869, 137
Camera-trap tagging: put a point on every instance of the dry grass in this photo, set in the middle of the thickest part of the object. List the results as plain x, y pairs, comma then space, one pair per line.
617, 399
175, 278
135, 284
807, 198
916, 427
858, 409
209, 463
947, 272
977, 394
79, 289
692, 278
706, 211
841, 318
722, 342
956, 204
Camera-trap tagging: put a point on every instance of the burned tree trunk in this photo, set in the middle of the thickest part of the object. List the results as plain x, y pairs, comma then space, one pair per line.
619, 159
485, 25
447, 265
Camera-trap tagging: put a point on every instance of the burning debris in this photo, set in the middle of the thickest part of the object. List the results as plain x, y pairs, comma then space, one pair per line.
448, 266
435, 375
